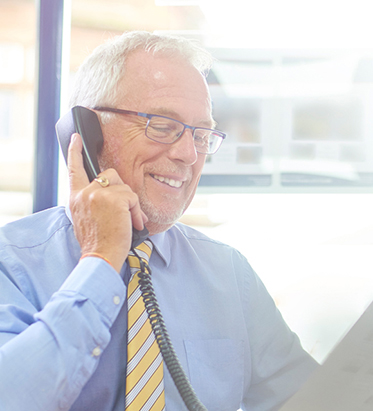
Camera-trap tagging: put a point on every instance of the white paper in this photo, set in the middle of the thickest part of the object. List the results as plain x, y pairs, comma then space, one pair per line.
345, 380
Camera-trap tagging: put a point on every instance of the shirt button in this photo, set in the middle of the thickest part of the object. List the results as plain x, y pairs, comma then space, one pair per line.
96, 352
116, 300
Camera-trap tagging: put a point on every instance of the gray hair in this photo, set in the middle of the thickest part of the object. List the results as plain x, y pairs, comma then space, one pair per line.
97, 79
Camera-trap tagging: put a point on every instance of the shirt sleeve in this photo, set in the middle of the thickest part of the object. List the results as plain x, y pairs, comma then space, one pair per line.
279, 364
46, 357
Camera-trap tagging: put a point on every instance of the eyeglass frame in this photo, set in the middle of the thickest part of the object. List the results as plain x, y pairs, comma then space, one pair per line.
150, 116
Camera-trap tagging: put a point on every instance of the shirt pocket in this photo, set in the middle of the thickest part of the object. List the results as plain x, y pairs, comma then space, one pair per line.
216, 370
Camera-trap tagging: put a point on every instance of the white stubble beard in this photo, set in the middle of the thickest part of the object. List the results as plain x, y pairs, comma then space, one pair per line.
160, 215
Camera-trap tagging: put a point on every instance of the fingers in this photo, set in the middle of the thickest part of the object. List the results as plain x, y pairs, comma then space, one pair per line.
121, 194
77, 175
139, 218
103, 219
103, 211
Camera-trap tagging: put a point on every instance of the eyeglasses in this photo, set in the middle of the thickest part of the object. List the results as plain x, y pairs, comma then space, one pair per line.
166, 130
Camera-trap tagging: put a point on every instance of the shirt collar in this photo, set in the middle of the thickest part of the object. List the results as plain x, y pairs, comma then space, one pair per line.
161, 243
68, 213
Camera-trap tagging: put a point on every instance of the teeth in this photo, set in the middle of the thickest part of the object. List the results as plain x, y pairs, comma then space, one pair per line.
169, 181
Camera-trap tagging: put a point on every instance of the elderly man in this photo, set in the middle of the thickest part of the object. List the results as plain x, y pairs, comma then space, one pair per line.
68, 338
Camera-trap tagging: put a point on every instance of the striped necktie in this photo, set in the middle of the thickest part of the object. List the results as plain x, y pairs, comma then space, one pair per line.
144, 380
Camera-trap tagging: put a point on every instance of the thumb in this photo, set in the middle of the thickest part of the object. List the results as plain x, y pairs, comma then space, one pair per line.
77, 176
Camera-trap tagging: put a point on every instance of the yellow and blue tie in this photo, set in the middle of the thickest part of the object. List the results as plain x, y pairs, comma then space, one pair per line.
144, 378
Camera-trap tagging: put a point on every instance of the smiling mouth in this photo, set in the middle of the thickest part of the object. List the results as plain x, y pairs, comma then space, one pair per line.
169, 181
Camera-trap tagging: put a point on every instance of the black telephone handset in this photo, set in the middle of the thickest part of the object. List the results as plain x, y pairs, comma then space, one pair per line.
85, 122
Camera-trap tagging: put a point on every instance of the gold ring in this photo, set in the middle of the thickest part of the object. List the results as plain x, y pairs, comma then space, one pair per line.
102, 180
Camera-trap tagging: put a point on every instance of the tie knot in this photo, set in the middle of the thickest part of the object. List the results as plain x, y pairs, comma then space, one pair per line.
144, 251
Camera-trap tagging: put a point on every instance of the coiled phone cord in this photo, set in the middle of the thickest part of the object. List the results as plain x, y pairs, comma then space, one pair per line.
165, 345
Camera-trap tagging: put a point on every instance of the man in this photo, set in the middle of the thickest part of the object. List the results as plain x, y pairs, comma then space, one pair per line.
63, 305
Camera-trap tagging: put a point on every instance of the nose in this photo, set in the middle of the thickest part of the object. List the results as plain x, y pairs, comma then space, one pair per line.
183, 149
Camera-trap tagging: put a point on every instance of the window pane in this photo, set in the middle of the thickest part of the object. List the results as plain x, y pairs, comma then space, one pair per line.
17, 73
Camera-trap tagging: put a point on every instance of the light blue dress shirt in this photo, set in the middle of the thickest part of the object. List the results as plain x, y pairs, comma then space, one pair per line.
63, 323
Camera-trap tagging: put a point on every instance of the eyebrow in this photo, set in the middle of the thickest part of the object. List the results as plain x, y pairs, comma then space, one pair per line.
162, 111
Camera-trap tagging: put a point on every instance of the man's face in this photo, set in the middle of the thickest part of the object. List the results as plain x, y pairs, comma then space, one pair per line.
164, 176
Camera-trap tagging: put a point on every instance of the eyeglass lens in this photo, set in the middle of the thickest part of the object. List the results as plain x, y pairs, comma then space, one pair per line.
167, 131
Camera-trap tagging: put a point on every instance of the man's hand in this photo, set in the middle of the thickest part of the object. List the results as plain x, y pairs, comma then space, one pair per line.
102, 216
